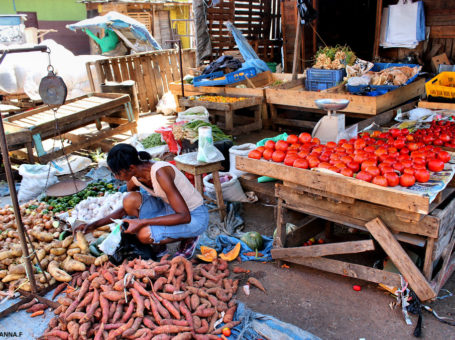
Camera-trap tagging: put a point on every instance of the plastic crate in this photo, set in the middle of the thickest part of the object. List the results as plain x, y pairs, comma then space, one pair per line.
318, 80
219, 78
365, 89
441, 86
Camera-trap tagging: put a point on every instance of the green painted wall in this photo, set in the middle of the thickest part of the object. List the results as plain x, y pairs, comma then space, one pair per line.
48, 10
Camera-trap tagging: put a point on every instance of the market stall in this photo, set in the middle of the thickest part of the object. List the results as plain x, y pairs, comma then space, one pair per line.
392, 210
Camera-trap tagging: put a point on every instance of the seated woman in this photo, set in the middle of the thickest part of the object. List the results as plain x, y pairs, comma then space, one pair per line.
168, 209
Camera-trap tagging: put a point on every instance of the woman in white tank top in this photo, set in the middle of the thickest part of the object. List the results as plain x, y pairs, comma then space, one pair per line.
166, 205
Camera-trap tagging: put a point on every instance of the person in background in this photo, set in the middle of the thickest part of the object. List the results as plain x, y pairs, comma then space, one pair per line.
167, 209
110, 44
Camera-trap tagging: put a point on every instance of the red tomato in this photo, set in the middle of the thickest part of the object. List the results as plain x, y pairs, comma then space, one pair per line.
340, 165
346, 159
369, 148
404, 132
409, 138
226, 331
290, 159
422, 175
291, 152
438, 142
301, 163
354, 166
281, 145
364, 176
389, 161
413, 146
294, 146
359, 144
347, 172
385, 168
404, 151
409, 171
324, 157
360, 157
267, 154
419, 160
316, 141
399, 144
313, 161
324, 165
444, 156
292, 139
255, 154
380, 151
278, 156
445, 137
342, 141
380, 180
392, 179
435, 165
407, 163
331, 145
304, 137
373, 170
398, 166
270, 144
368, 163
303, 154
375, 134
334, 169
419, 166
261, 149
395, 132
407, 180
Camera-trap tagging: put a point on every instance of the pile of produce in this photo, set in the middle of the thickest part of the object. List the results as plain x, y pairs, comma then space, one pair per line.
148, 300
218, 99
440, 133
94, 189
189, 131
52, 249
334, 58
95, 208
153, 140
392, 76
397, 160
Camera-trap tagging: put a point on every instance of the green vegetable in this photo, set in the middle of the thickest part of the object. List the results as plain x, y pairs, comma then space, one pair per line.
217, 133
153, 140
94, 250
64, 234
253, 240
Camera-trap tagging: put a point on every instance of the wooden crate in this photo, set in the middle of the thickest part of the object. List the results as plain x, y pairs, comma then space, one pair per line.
436, 106
389, 215
294, 94
34, 126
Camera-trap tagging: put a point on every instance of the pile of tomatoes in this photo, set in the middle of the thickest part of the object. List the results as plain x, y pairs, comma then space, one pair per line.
387, 160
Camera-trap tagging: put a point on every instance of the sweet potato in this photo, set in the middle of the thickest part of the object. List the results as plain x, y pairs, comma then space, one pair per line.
231, 324
81, 241
205, 312
114, 295
147, 321
194, 301
27, 304
57, 333
90, 311
36, 307
170, 329
161, 337
171, 308
71, 308
239, 270
222, 295
128, 312
108, 277
83, 330
174, 297
38, 312
59, 309
229, 315
255, 282
139, 300
84, 289
101, 259
159, 283
196, 322
86, 300
204, 327
111, 326
75, 316
118, 312
119, 331
183, 336
86, 259
137, 322
186, 313
99, 333
174, 322
140, 289
104, 309
200, 292
155, 311
212, 322
112, 309
59, 289
57, 273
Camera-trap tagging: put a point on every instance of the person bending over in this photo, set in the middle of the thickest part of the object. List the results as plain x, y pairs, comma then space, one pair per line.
167, 209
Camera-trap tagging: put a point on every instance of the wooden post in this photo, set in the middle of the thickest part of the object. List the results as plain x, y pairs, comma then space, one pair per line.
428, 264
219, 195
400, 259
377, 32
296, 48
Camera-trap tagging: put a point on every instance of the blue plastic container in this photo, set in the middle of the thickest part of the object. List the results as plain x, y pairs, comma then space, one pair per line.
219, 78
318, 80
364, 89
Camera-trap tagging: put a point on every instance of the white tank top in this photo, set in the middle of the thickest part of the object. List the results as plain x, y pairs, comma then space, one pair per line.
191, 196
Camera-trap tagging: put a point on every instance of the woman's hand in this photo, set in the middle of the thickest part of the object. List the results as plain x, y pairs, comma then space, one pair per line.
82, 227
133, 226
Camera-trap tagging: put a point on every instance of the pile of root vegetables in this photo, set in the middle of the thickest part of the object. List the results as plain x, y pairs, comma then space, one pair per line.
57, 257
169, 299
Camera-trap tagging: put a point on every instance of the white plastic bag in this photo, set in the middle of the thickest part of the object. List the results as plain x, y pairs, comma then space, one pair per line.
239, 150
207, 152
112, 241
155, 152
77, 163
34, 179
191, 115
232, 190
167, 105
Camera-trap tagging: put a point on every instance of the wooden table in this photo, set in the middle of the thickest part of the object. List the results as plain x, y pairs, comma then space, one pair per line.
30, 128
292, 96
233, 123
389, 215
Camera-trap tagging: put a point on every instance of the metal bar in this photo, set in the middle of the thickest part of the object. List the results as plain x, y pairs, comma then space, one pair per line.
17, 212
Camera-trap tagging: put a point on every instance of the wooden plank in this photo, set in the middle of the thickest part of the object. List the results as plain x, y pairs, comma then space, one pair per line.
153, 100
318, 250
337, 184
322, 193
443, 276
142, 94
350, 269
400, 259
116, 70
428, 264
377, 29
442, 32
305, 124
436, 106
355, 214
148, 83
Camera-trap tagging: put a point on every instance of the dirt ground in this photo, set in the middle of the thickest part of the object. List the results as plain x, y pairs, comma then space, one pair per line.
325, 304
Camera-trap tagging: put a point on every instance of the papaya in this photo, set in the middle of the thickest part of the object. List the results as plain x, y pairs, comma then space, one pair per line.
207, 254
232, 254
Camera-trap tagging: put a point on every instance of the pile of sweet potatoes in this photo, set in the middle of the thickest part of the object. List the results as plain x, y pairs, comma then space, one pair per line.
170, 299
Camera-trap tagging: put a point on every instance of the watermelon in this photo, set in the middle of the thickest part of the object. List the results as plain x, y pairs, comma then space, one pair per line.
253, 240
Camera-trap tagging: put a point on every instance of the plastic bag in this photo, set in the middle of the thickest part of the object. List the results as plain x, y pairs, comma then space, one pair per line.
77, 163
239, 150
192, 114
167, 105
112, 241
131, 248
231, 189
155, 152
207, 152
168, 137
34, 180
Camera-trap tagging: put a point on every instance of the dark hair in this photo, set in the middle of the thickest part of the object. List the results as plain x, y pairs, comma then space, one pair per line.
122, 156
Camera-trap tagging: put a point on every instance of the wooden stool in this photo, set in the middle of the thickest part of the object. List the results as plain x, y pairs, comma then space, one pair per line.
197, 169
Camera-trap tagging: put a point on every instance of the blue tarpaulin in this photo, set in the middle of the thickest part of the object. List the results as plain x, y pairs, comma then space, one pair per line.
225, 243
117, 21
255, 326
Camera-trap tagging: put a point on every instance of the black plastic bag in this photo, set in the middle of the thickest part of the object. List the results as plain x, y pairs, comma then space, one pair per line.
131, 248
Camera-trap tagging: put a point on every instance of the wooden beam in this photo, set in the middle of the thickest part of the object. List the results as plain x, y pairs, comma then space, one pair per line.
323, 249
377, 30
442, 32
350, 269
400, 259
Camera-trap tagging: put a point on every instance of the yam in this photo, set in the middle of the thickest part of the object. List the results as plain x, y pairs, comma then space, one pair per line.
98, 233
16, 250
71, 252
40, 254
57, 273
82, 242
6, 254
12, 277
16, 269
74, 245
58, 251
71, 265
43, 236
104, 228
3, 273
67, 241
101, 259
86, 259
